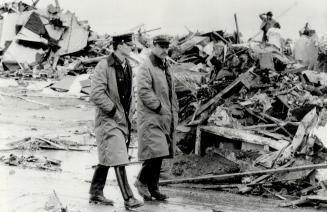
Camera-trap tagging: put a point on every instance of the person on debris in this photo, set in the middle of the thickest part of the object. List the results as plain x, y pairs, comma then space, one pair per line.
111, 93
156, 118
267, 23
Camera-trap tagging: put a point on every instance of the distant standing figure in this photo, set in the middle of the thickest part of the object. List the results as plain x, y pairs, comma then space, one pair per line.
111, 93
267, 23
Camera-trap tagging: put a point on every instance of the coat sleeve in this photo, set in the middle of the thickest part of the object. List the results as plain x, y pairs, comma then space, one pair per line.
263, 17
99, 89
145, 90
174, 101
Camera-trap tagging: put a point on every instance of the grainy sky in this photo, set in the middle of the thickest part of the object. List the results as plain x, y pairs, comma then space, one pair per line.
114, 16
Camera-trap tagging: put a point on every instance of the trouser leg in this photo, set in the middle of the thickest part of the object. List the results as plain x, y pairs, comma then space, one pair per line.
143, 175
123, 182
153, 181
99, 180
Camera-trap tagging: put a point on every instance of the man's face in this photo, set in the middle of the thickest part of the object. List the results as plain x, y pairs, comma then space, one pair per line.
160, 50
126, 48
269, 17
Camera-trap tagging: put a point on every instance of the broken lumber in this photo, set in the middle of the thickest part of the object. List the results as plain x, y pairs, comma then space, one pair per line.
53, 144
307, 124
277, 122
275, 194
237, 30
238, 135
220, 95
203, 186
242, 174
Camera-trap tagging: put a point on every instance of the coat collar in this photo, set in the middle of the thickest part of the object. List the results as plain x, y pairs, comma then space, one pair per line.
114, 60
156, 61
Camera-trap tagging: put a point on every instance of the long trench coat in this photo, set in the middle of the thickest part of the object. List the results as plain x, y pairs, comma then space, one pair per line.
111, 127
156, 134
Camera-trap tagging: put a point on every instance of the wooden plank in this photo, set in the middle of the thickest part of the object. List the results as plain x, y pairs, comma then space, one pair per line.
223, 92
243, 189
273, 135
278, 122
53, 144
255, 115
244, 136
275, 194
237, 30
204, 186
242, 174
317, 198
197, 150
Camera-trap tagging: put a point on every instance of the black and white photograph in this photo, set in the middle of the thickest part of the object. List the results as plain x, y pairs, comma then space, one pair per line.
163, 105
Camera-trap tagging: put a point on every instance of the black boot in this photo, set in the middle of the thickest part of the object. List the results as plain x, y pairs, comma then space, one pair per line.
132, 203
158, 195
100, 199
155, 193
97, 185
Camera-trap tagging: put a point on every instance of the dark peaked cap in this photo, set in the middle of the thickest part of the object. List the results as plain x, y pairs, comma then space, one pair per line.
161, 39
122, 38
269, 13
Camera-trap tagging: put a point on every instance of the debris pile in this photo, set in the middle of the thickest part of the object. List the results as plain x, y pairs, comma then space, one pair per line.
34, 143
32, 161
251, 97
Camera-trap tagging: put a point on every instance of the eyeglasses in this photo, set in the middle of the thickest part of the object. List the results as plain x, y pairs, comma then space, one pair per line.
163, 46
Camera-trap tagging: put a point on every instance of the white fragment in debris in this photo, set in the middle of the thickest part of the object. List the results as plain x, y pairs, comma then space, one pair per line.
321, 134
76, 87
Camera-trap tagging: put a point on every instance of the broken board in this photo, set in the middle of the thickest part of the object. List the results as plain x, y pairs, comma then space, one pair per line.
247, 138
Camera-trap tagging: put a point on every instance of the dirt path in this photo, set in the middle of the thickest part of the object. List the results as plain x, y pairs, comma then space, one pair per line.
29, 189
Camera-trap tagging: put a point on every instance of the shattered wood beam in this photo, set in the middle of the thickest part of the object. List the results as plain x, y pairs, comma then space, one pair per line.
255, 115
237, 30
221, 37
275, 194
278, 123
53, 144
243, 136
201, 186
216, 98
268, 125
242, 174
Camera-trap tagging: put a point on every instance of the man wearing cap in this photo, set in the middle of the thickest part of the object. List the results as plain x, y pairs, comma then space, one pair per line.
111, 93
267, 23
156, 118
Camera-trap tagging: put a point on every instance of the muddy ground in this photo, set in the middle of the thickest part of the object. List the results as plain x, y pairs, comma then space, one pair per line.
24, 189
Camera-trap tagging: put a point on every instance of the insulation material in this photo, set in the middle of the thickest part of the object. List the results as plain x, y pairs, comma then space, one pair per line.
75, 37
10, 21
305, 51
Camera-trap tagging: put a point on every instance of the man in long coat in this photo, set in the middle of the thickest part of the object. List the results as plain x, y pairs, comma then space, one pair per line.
111, 93
156, 118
